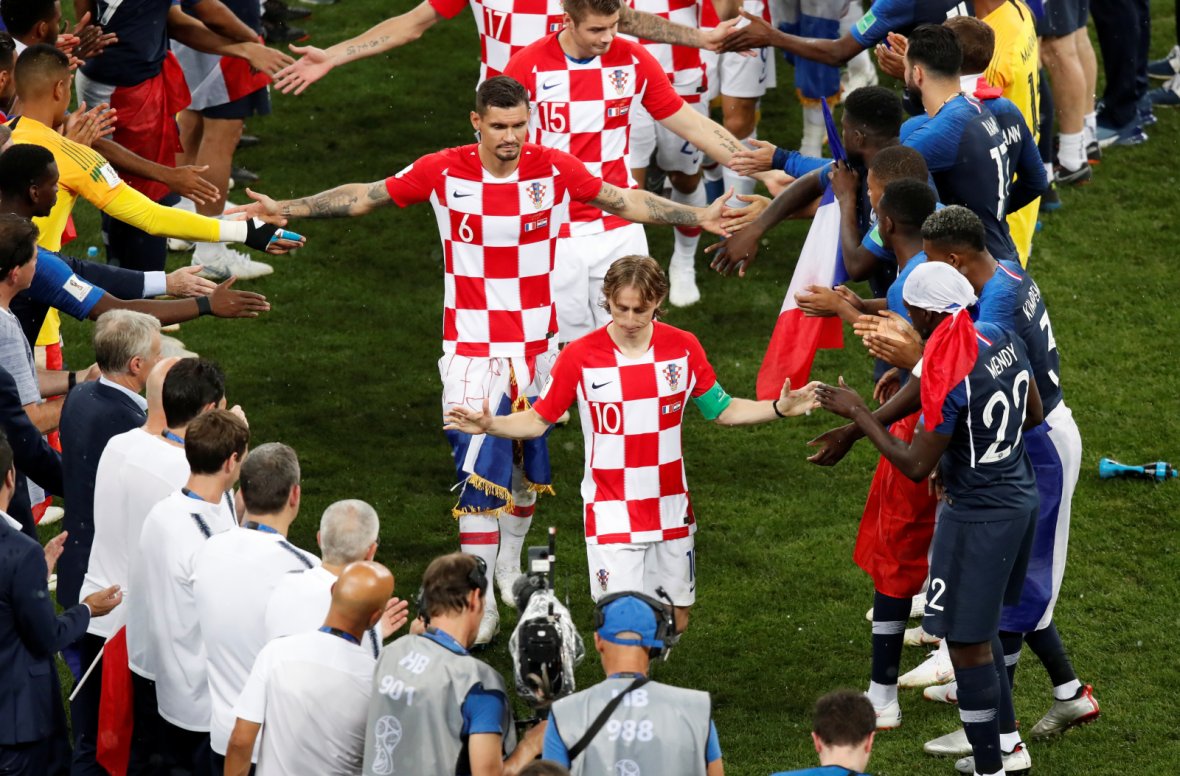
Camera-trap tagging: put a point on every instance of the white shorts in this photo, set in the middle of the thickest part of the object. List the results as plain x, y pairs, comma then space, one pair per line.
673, 153
712, 62
747, 77
580, 265
468, 381
644, 568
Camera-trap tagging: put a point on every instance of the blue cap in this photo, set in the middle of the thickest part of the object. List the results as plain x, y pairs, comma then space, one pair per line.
630, 622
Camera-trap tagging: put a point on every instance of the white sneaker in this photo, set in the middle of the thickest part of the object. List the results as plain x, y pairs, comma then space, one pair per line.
1063, 715
936, 669
889, 717
942, 693
52, 515
916, 637
170, 347
505, 579
1016, 762
682, 280
489, 626
220, 261
951, 745
869, 614
179, 245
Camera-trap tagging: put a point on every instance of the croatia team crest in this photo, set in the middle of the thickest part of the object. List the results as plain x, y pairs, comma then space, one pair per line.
536, 192
618, 79
603, 577
672, 375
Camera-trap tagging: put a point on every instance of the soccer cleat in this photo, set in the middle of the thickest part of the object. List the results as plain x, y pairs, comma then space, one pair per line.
1165, 68
248, 141
221, 261
917, 637
936, 669
489, 626
951, 745
1050, 200
52, 515
179, 245
1015, 762
1093, 152
1127, 135
889, 718
1146, 117
942, 693
242, 177
505, 579
869, 614
1063, 176
682, 281
1063, 715
276, 32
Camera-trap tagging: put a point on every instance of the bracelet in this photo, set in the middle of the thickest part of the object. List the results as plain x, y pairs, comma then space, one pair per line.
774, 406
204, 306
71, 381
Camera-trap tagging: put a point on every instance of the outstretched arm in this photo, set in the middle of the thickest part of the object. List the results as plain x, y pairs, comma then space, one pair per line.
746, 412
643, 207
518, 425
825, 51
389, 34
351, 199
656, 28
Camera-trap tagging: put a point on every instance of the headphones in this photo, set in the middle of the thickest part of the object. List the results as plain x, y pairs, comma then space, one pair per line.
665, 623
477, 579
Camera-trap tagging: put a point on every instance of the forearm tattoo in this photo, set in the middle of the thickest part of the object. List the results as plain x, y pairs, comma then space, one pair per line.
610, 199
341, 201
357, 49
651, 27
663, 211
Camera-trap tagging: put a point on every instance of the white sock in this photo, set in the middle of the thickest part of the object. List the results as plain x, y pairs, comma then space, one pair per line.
813, 131
1008, 741
1072, 152
514, 526
1049, 170
711, 169
1090, 127
686, 238
479, 535
1065, 692
882, 695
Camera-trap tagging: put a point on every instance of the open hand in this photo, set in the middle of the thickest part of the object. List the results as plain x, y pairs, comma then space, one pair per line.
800, 402
267, 60
460, 418
736, 219
229, 303
102, 602
711, 217
752, 160
312, 65
833, 445
396, 615
187, 181
756, 34
85, 126
840, 400
185, 282
262, 207
887, 386
737, 253
53, 550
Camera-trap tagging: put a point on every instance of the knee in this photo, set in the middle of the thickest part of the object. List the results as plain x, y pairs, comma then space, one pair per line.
684, 183
970, 655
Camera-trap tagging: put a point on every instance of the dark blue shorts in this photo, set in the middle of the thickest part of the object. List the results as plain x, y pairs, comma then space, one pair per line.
256, 103
1063, 17
975, 569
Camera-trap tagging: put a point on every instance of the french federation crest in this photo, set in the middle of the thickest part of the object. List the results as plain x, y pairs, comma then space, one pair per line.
618, 79
672, 375
536, 192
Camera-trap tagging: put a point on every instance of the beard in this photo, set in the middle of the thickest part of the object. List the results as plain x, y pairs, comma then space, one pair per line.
914, 93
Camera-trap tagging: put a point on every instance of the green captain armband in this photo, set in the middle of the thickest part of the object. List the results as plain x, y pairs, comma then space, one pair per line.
712, 402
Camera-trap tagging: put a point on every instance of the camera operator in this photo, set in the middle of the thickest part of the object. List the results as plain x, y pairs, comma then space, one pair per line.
414, 725
629, 724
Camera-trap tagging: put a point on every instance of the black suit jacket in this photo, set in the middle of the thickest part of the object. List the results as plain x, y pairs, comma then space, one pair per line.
30, 635
116, 281
93, 413
33, 457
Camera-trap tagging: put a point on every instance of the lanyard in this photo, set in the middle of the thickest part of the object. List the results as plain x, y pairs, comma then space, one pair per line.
172, 437
342, 634
253, 526
626, 675
191, 495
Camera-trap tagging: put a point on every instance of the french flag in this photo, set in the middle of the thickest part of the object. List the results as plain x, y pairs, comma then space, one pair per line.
797, 337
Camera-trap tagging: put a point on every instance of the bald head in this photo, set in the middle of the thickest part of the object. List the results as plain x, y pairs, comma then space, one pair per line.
40, 70
360, 595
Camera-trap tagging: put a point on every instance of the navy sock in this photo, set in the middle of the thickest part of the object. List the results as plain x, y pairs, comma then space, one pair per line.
1046, 645
889, 621
979, 695
1012, 642
1007, 713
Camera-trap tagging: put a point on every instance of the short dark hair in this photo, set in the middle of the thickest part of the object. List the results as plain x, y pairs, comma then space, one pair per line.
580, 9
18, 241
268, 475
909, 203
500, 91
977, 40
446, 583
844, 718
875, 111
936, 48
20, 16
897, 163
21, 166
37, 66
955, 227
544, 768
212, 439
191, 385
7, 51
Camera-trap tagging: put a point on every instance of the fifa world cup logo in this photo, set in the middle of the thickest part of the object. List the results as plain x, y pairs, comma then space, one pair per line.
627, 768
388, 734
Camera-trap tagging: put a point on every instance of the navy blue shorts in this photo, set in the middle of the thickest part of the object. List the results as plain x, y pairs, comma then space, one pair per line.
256, 103
1063, 17
975, 569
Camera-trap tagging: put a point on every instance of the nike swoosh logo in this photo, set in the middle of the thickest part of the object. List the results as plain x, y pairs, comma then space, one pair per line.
458, 195
550, 84
596, 386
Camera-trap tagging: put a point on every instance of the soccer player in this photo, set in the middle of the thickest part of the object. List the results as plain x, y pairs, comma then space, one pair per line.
632, 380
973, 150
504, 29
500, 204
584, 84
842, 731
977, 395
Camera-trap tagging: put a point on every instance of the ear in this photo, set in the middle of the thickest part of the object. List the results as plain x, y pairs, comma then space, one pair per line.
318, 542
818, 742
296, 494
568, 20
475, 121
372, 552
10, 478
473, 599
869, 742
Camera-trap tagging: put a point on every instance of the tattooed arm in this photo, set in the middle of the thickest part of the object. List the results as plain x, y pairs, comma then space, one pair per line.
651, 27
704, 133
643, 207
351, 199
389, 34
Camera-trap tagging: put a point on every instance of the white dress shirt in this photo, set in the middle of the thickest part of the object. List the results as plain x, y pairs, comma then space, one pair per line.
300, 603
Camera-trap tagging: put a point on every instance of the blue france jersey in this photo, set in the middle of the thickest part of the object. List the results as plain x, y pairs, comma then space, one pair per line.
893, 297
886, 16
969, 150
985, 469
1012, 299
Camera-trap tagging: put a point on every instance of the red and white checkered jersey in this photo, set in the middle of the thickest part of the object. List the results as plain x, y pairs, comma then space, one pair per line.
505, 27
683, 65
631, 409
585, 108
499, 237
